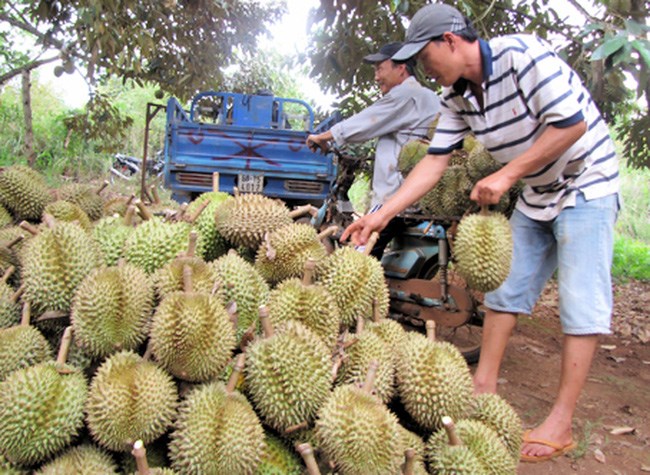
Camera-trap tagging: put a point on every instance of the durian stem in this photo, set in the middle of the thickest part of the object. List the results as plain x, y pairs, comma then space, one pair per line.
140, 454
191, 247
30, 228
369, 383
64, 349
17, 294
302, 210
102, 187
294, 428
180, 214
307, 454
308, 274
336, 366
204, 204
270, 251
485, 210
236, 371
371, 243
409, 464
330, 231
148, 352
129, 215
360, 324
15, 240
51, 315
215, 181
129, 202
8, 273
187, 278
450, 428
26, 314
231, 310
155, 195
235, 191
144, 211
431, 330
267, 326
376, 314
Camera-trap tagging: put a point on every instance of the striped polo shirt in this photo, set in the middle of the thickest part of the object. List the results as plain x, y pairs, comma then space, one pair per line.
526, 88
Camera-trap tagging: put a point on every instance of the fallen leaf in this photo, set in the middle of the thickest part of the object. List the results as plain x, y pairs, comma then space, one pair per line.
617, 359
608, 347
622, 430
600, 456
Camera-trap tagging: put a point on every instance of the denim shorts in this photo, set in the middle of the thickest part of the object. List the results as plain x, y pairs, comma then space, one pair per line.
579, 245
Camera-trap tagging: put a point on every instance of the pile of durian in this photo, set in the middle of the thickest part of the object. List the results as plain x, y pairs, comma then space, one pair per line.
216, 338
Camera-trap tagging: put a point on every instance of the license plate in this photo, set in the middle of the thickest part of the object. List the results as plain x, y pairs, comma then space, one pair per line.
250, 183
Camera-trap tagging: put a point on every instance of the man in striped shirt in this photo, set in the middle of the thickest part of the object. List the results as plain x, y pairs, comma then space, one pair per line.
531, 111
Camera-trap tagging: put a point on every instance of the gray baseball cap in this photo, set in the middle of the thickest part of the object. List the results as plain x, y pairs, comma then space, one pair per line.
430, 21
385, 52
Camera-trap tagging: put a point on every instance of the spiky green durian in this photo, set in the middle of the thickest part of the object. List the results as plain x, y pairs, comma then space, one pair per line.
9, 307
192, 336
22, 346
411, 440
54, 263
110, 234
483, 250
498, 414
482, 441
169, 278
129, 399
156, 242
278, 459
210, 244
244, 219
431, 202
480, 163
216, 431
23, 192
111, 309
456, 186
357, 431
355, 281
311, 305
433, 380
283, 253
456, 460
391, 333
5, 217
240, 282
87, 197
81, 460
65, 211
42, 411
288, 375
410, 155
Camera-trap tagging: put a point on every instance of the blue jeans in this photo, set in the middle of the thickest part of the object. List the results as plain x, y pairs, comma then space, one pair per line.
579, 244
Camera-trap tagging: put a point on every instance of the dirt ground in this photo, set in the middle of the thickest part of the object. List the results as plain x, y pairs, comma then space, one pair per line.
612, 423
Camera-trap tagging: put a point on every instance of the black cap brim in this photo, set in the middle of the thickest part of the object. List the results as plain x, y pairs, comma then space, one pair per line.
375, 58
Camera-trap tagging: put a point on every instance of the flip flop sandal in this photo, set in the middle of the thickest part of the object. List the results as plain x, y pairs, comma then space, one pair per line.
558, 449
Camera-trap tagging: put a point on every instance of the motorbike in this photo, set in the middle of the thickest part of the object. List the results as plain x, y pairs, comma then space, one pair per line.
126, 166
418, 266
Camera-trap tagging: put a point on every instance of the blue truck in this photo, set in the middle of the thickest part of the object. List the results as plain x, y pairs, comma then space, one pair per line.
254, 142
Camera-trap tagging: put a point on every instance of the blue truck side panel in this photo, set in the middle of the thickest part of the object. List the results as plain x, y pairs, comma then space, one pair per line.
248, 137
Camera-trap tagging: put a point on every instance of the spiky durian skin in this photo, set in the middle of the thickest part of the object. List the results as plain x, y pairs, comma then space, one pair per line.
288, 375
111, 309
410, 155
42, 411
483, 250
358, 432
216, 432
290, 247
5, 217
433, 381
9, 310
159, 471
23, 192
22, 346
498, 414
355, 281
169, 278
54, 263
129, 399
84, 196
391, 333
455, 460
410, 440
81, 460
240, 282
154, 243
278, 459
210, 244
311, 305
110, 234
244, 219
482, 441
68, 212
192, 336
368, 347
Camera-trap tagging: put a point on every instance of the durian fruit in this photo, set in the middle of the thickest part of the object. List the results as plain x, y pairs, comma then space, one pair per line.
192, 336
65, 211
278, 459
217, 431
357, 432
480, 163
283, 253
210, 244
355, 280
22, 346
456, 186
6, 219
42, 409
310, 304
129, 399
8, 468
239, 282
156, 242
54, 262
111, 309
414, 451
483, 250
391, 333
9, 306
410, 155
481, 441
498, 414
23, 192
431, 202
87, 197
84, 459
245, 218
12, 240
433, 380
288, 374
111, 233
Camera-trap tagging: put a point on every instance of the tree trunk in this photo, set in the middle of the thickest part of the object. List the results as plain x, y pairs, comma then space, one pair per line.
27, 114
